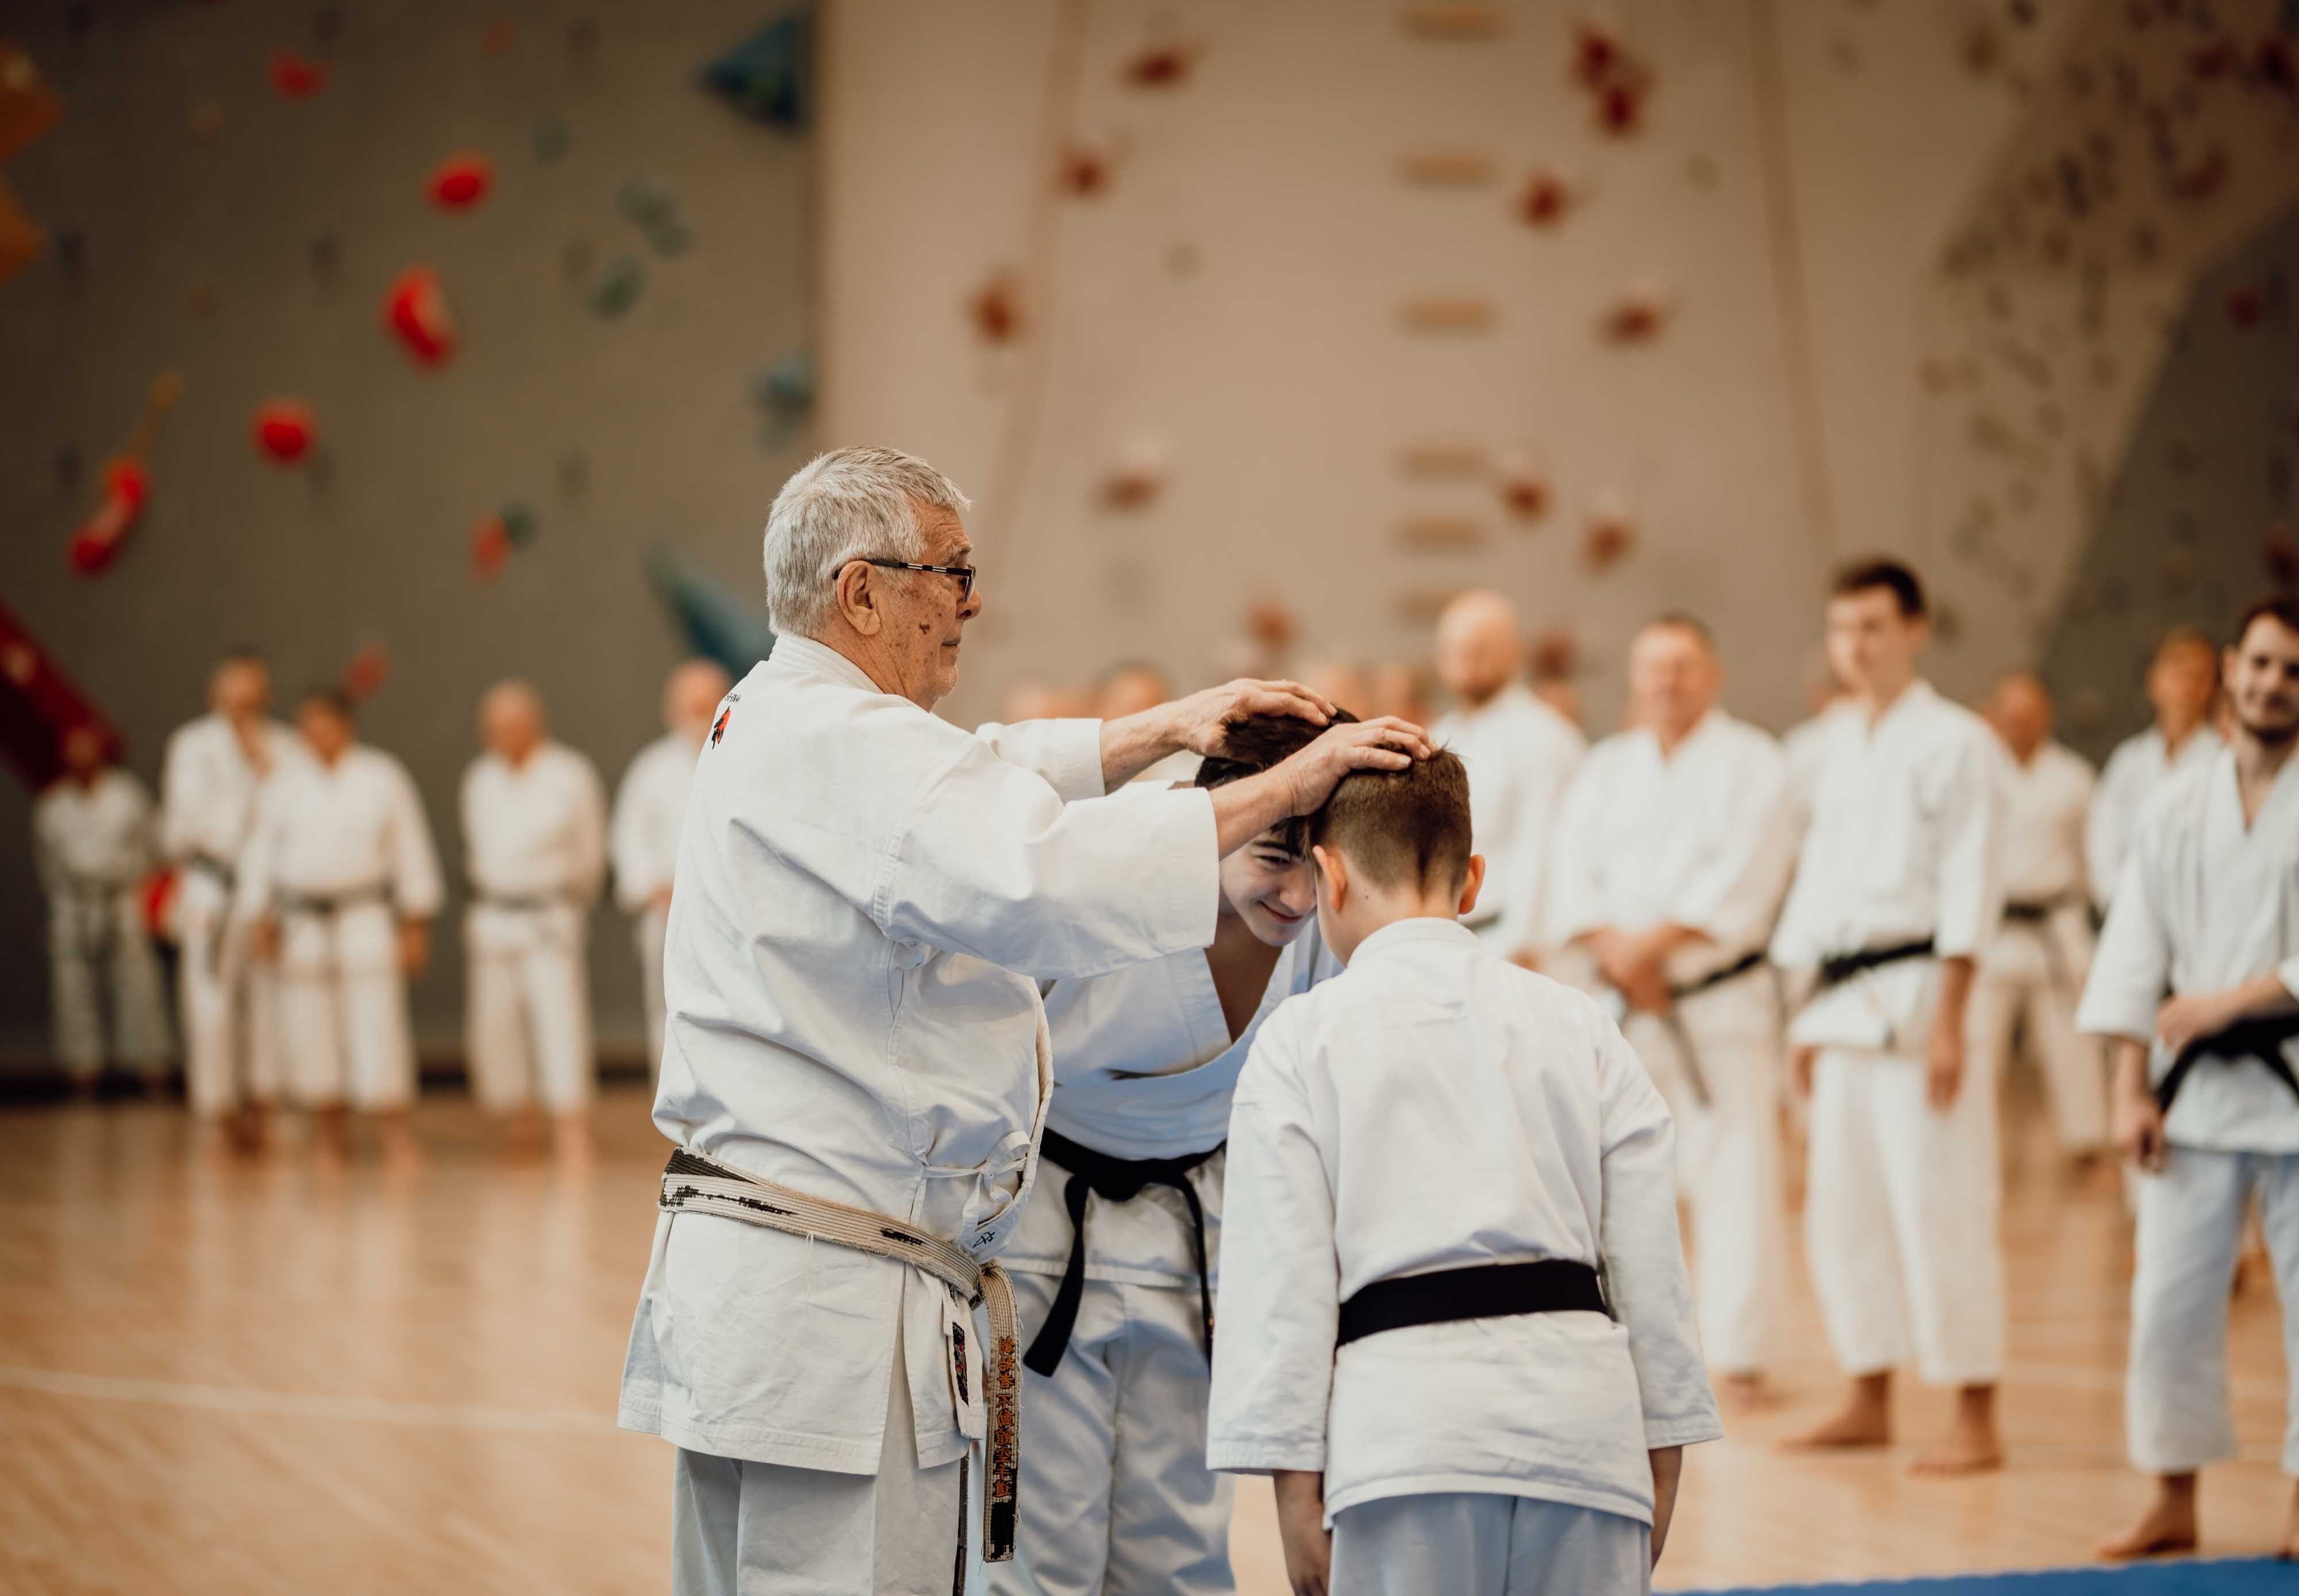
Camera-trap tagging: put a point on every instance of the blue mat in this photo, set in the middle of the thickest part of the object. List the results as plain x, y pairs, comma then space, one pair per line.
2241, 1576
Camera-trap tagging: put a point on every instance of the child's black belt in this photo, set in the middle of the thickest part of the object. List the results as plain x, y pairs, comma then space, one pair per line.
1478, 1291
1840, 968
1113, 1180
2260, 1039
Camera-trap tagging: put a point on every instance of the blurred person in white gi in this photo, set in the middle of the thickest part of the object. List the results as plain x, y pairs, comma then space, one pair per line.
2196, 985
1520, 753
2183, 679
535, 835
649, 806
1805, 743
1118, 1253
210, 783
1898, 885
93, 845
856, 1062
2032, 970
1673, 853
1455, 1328
343, 882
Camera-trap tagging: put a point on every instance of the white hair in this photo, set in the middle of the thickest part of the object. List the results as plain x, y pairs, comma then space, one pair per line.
845, 505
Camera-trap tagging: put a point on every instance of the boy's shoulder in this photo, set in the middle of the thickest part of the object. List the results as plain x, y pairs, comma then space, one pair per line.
1358, 994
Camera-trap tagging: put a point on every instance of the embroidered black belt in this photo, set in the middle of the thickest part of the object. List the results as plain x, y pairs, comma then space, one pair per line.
1717, 977
2260, 1039
1113, 1180
1478, 1291
1839, 968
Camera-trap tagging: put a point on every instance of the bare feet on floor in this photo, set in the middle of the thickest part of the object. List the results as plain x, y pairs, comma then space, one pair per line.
1747, 1392
1865, 1420
2167, 1525
1972, 1444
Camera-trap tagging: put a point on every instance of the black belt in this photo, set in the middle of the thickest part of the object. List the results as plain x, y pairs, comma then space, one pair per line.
208, 864
1717, 977
2033, 911
1478, 1291
327, 905
1838, 969
519, 902
1113, 1180
2260, 1039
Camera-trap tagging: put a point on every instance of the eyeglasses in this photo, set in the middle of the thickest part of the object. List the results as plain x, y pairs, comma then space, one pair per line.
964, 573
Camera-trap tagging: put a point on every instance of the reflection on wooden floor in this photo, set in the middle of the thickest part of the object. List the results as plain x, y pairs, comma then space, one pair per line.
218, 1377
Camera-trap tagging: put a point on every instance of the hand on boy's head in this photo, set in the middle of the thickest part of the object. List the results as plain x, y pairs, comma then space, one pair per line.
1202, 720
1387, 744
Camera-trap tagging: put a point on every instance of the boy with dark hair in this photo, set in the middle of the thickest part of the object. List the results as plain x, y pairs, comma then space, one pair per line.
1434, 1137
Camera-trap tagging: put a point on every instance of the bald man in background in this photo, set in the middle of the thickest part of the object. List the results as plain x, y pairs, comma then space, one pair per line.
2032, 970
650, 805
1520, 754
534, 839
2183, 679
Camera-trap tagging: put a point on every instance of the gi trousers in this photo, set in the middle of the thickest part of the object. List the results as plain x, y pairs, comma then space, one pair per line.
2176, 1413
1901, 1207
762, 1529
100, 958
1465, 1544
1728, 1161
1117, 1497
230, 1003
649, 932
342, 1010
2073, 1067
528, 1027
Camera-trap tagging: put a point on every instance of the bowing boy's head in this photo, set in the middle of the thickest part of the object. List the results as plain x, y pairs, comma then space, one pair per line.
1266, 885
1393, 846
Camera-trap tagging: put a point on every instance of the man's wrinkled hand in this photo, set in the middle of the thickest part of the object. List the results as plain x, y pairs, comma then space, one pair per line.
1387, 744
1201, 721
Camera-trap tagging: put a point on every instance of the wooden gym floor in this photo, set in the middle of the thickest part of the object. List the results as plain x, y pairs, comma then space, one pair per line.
264, 1378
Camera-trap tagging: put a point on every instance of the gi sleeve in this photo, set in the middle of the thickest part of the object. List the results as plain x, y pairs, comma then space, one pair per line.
1280, 1300
992, 862
143, 833
253, 896
1576, 863
1068, 753
1541, 794
180, 799
417, 891
638, 872
1650, 1290
1970, 885
1731, 899
2132, 968
2107, 827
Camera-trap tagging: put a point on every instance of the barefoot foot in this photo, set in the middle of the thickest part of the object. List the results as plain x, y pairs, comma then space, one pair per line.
1747, 1392
2167, 1525
1865, 1420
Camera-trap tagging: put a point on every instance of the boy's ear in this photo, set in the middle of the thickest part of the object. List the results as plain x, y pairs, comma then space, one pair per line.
1472, 886
1333, 872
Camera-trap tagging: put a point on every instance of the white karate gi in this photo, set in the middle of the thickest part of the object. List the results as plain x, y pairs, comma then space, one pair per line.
209, 796
1704, 838
341, 854
2205, 904
1806, 746
1433, 1107
1120, 1496
2032, 971
1902, 1200
535, 839
94, 845
649, 806
1520, 755
2139, 765
866, 893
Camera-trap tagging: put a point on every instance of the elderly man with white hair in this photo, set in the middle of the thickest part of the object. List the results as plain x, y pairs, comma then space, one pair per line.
534, 836
649, 807
855, 1066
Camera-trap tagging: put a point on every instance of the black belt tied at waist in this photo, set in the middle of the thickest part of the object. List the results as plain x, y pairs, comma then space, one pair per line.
1113, 1180
1717, 977
1478, 1291
2261, 1039
209, 865
326, 906
2033, 911
1839, 968
519, 902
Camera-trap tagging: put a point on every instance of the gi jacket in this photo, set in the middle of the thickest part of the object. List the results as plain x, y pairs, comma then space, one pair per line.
2138, 767
2206, 903
867, 897
1905, 843
1431, 1108
649, 807
1520, 754
537, 832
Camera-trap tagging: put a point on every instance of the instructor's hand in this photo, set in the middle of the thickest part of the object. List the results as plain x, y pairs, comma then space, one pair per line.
1387, 744
1201, 721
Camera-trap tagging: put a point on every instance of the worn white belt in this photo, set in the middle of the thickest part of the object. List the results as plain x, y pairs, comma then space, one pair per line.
693, 1183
